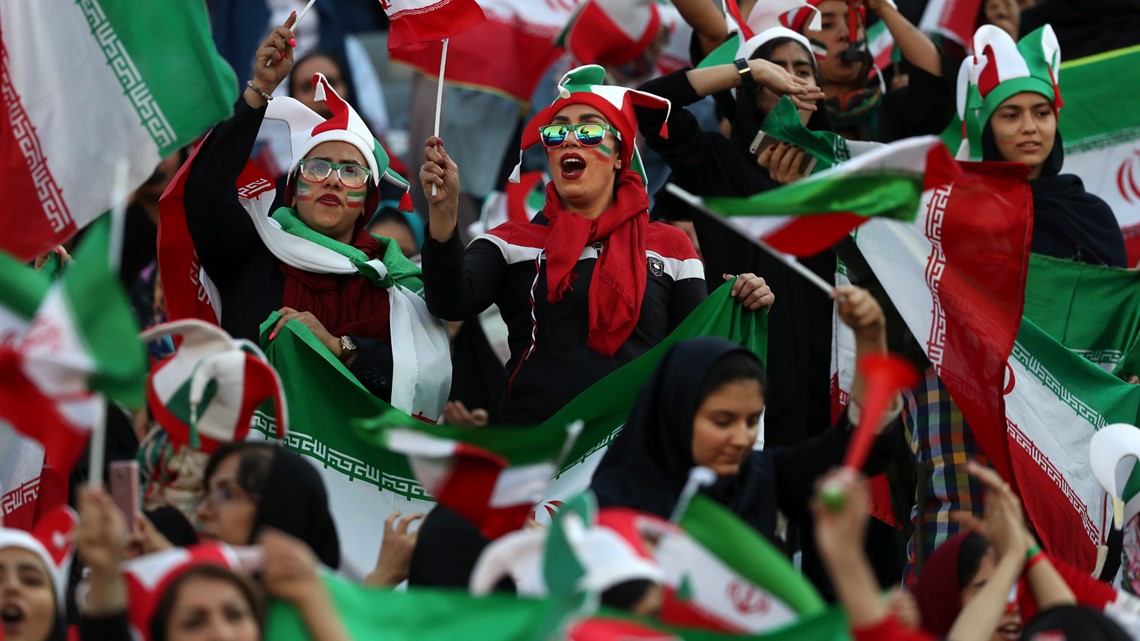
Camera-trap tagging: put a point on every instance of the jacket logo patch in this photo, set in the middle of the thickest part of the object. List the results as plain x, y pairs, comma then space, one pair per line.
656, 266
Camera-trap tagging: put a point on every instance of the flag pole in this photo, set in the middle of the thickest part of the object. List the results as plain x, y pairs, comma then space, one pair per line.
439, 96
787, 259
97, 444
293, 29
699, 477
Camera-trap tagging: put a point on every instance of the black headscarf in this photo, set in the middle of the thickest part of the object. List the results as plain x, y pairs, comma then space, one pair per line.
294, 501
648, 464
747, 116
1068, 222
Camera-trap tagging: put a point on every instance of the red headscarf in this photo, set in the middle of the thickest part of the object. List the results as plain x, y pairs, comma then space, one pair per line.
936, 590
618, 283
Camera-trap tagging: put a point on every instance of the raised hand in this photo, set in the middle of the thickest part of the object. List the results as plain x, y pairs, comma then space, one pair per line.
803, 92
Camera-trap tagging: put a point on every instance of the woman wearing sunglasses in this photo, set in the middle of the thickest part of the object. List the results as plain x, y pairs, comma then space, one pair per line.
314, 262
590, 283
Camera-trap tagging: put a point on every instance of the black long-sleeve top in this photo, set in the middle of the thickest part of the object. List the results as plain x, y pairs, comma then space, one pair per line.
248, 276
799, 324
459, 284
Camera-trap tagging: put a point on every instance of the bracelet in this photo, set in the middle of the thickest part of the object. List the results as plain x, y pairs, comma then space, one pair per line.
1033, 560
259, 90
1033, 551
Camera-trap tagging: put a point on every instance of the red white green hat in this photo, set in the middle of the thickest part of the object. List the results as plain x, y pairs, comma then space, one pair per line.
52, 541
307, 129
999, 69
586, 86
206, 393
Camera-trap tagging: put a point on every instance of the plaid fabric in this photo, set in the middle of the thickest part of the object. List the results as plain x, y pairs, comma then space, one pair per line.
942, 443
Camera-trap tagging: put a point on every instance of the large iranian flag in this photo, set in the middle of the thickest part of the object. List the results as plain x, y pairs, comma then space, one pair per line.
957, 279
1081, 323
506, 55
418, 21
810, 215
64, 344
85, 83
367, 483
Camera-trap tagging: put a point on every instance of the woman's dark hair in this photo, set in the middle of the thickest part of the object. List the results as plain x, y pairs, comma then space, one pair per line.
766, 50
320, 53
248, 589
735, 366
254, 462
974, 547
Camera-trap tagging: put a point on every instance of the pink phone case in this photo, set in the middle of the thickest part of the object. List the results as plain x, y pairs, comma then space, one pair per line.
125, 489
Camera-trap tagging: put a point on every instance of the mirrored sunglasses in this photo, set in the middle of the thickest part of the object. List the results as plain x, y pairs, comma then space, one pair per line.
586, 133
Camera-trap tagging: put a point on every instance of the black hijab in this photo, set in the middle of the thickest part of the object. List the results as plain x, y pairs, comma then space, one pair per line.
294, 501
648, 464
1068, 222
747, 116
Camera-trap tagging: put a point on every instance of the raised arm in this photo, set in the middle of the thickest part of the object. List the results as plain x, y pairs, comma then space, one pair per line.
709, 80
916, 47
706, 20
218, 224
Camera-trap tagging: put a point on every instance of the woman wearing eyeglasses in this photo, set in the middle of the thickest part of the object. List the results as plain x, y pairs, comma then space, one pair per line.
313, 262
590, 283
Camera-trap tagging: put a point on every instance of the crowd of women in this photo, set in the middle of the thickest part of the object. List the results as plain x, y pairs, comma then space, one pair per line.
588, 285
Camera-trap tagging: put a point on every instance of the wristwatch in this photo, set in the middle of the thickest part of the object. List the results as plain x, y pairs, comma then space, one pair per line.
745, 71
347, 346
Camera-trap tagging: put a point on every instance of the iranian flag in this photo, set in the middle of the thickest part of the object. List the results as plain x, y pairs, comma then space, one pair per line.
367, 483
721, 575
419, 21
810, 215
507, 54
490, 476
1061, 389
63, 345
958, 281
85, 82
446, 615
1101, 132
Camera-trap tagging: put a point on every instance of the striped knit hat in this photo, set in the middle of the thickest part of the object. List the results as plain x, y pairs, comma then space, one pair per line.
585, 86
765, 23
206, 393
999, 69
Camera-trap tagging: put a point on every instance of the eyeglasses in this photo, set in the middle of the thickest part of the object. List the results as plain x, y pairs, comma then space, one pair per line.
221, 494
587, 133
351, 175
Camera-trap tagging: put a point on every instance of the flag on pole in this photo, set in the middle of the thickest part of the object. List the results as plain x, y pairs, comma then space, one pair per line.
421, 21
720, 574
65, 344
366, 484
507, 54
490, 476
89, 81
811, 215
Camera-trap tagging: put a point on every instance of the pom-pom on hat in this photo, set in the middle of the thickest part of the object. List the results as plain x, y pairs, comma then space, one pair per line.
206, 393
999, 69
52, 541
307, 129
585, 86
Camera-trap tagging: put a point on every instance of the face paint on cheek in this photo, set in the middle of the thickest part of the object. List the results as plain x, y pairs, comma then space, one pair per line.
304, 191
355, 198
602, 152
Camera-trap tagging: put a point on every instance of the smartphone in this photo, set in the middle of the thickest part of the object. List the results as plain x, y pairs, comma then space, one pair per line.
763, 140
125, 490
